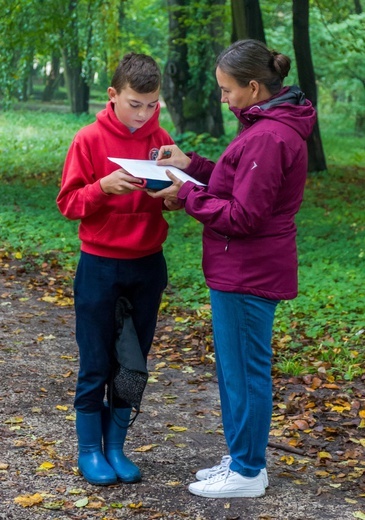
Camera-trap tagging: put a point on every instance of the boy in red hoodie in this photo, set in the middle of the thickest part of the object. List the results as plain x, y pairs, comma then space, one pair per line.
121, 231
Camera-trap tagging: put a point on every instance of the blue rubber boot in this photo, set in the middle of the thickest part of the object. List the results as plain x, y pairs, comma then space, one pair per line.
92, 463
115, 432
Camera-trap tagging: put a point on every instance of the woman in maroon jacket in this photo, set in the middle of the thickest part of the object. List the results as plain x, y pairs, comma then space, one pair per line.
249, 247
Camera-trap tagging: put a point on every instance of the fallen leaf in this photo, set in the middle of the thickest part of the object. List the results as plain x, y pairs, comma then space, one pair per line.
359, 514
178, 428
324, 455
288, 459
135, 506
45, 466
148, 447
82, 502
29, 500
14, 420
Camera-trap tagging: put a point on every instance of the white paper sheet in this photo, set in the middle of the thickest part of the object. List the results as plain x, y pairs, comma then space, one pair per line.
150, 170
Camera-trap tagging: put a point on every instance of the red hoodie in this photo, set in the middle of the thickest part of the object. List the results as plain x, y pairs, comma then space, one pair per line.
114, 226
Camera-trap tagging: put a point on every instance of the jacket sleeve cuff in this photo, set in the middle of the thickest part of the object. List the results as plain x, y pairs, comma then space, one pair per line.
184, 191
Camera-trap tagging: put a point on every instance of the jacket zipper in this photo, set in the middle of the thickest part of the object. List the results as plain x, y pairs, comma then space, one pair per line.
227, 243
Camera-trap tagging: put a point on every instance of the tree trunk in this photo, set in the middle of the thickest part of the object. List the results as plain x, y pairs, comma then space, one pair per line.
247, 20
307, 81
77, 88
193, 100
53, 79
358, 8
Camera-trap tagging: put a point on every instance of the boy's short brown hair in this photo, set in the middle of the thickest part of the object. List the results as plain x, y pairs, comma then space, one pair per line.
139, 71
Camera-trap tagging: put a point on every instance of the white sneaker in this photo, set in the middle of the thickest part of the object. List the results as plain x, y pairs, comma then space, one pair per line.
229, 484
203, 474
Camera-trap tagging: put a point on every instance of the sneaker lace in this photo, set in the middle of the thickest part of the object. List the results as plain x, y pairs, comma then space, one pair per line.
221, 475
221, 467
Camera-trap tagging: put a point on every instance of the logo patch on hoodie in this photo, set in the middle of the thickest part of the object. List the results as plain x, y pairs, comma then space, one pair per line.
153, 154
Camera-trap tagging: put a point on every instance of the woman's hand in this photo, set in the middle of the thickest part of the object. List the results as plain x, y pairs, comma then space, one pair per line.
168, 194
119, 182
171, 155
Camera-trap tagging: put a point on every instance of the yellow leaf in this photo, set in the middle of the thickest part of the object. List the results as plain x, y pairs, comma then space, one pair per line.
18, 255
62, 408
70, 417
49, 299
350, 501
3, 466
288, 459
75, 491
160, 365
173, 483
135, 506
45, 466
362, 424
324, 455
276, 433
322, 474
14, 420
362, 414
148, 447
28, 500
178, 428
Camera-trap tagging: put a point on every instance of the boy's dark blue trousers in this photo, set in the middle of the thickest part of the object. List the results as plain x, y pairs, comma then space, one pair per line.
99, 282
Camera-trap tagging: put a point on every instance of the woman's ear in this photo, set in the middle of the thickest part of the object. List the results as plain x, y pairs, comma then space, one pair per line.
255, 88
112, 93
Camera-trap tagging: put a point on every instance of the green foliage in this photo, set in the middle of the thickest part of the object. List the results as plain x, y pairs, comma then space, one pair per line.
203, 144
34, 144
322, 328
32, 227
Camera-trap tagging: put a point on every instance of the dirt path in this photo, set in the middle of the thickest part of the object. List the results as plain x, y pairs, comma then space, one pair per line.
178, 432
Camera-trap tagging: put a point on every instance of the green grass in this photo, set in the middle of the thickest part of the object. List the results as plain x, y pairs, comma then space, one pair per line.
322, 329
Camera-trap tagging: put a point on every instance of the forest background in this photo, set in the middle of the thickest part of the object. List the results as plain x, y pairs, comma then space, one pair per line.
57, 58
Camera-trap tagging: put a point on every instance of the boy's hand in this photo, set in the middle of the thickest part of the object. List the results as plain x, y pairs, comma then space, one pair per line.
119, 182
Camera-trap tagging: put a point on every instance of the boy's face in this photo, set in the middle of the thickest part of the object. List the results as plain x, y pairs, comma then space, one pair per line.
131, 108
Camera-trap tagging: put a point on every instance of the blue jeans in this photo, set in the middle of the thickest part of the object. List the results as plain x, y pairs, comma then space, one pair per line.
242, 327
98, 284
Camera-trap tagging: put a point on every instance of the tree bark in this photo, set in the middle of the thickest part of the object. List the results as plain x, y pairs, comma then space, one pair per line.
53, 79
77, 88
194, 104
307, 80
358, 8
247, 20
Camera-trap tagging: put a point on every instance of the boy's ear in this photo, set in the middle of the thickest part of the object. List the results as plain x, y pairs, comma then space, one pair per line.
112, 93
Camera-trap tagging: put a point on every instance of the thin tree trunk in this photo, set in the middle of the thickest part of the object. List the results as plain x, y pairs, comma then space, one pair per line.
77, 88
247, 20
191, 106
358, 8
307, 81
53, 79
